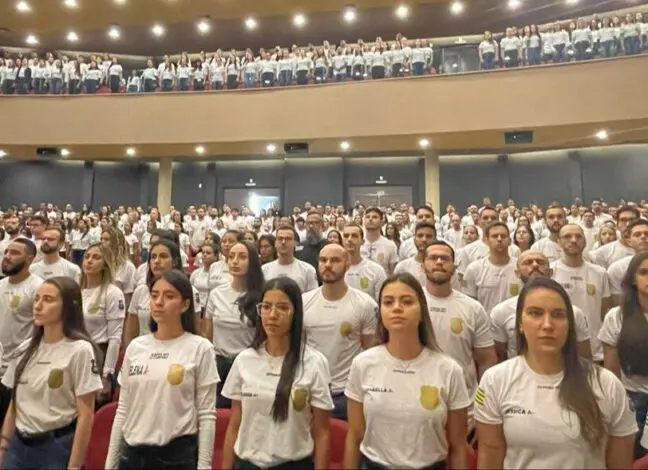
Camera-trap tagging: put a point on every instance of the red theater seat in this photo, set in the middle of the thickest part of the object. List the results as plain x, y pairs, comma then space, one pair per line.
641, 464
100, 438
339, 430
222, 420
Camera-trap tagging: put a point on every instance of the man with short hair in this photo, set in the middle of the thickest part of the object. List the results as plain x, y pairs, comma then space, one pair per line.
313, 242
637, 237
363, 274
37, 224
424, 234
52, 265
614, 251
555, 218
407, 248
12, 229
377, 247
287, 265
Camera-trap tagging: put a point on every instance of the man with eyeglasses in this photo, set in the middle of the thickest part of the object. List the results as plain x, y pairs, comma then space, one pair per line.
286, 265
637, 237
611, 252
52, 265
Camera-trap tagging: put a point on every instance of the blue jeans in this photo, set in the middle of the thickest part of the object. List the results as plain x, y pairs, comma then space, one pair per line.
52, 454
340, 406
488, 61
631, 45
639, 404
249, 80
183, 84
533, 56
285, 77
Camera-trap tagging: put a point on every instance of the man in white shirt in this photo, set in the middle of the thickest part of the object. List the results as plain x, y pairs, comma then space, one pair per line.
363, 274
424, 234
555, 219
12, 231
407, 248
587, 284
52, 265
454, 233
338, 321
638, 240
590, 230
376, 247
611, 252
37, 224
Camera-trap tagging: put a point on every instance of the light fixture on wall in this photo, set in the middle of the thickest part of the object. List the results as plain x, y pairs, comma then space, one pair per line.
113, 32
381, 180
344, 145
70, 3
204, 25
602, 134
424, 143
3, 153
250, 183
457, 7
64, 153
23, 7
299, 20
200, 150
349, 14
402, 11
131, 152
251, 23
271, 148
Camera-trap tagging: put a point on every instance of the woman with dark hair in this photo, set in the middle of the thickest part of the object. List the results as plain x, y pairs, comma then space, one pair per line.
165, 417
164, 256
392, 233
427, 391
54, 377
547, 407
267, 250
200, 276
523, 237
624, 335
218, 271
334, 237
285, 424
230, 315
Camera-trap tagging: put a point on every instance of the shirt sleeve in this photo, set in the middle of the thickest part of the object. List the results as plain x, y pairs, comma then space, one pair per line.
86, 371
135, 301
393, 254
320, 389
615, 277
611, 328
469, 281
381, 277
487, 406
483, 337
620, 420
606, 286
210, 308
311, 278
458, 397
115, 313
582, 328
233, 383
369, 317
353, 388
498, 324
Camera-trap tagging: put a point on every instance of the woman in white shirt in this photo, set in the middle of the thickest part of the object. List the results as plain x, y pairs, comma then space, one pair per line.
624, 335
165, 417
80, 240
183, 70
548, 408
230, 314
54, 377
150, 77
123, 270
200, 276
167, 75
279, 389
407, 401
115, 75
233, 70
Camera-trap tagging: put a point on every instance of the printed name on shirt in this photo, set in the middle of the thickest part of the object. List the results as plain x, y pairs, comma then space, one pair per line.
438, 309
120, 305
380, 389
137, 369
158, 355
403, 371
517, 410
272, 374
43, 363
249, 394
548, 387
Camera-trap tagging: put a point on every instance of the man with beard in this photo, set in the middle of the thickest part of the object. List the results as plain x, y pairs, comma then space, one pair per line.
616, 250
587, 284
52, 265
460, 323
363, 274
314, 241
530, 264
12, 228
339, 321
17, 293
377, 247
37, 224
424, 234
555, 218
637, 235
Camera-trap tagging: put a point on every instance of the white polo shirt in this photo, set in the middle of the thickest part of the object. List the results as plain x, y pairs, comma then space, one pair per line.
478, 250
491, 284
299, 271
125, 277
616, 273
549, 248
608, 254
61, 267
367, 276
383, 251
412, 266
232, 334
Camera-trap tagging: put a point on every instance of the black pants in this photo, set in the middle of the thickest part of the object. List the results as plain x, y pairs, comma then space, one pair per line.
303, 464
179, 454
115, 83
149, 85
223, 364
302, 77
371, 465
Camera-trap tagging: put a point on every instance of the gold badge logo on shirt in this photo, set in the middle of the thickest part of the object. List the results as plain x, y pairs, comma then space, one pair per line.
429, 397
515, 289
14, 302
364, 282
591, 289
300, 399
456, 325
345, 328
175, 376
55, 379
381, 257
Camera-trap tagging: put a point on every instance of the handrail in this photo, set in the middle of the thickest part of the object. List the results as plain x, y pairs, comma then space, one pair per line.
445, 41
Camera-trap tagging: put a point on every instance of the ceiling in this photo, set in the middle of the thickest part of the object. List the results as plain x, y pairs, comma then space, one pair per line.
51, 21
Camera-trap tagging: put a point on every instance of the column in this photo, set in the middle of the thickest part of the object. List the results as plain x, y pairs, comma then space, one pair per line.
165, 180
432, 180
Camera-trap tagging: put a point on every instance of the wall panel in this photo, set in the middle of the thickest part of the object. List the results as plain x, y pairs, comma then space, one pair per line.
396, 171
466, 180
234, 175
118, 184
189, 186
539, 177
318, 180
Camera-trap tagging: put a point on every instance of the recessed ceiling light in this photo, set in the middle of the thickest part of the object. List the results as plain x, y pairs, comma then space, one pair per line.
513, 4
203, 26
200, 149
402, 11
130, 151
65, 152
424, 143
602, 134
120, 2
23, 7
31, 40
344, 145
251, 23
3, 153
72, 36
349, 14
70, 3
271, 148
158, 30
457, 7
113, 32
571, 2
299, 20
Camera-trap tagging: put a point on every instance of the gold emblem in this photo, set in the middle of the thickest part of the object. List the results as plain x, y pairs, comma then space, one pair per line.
300, 399
345, 328
14, 302
175, 376
515, 289
381, 257
456, 325
364, 282
591, 289
55, 379
93, 309
463, 282
429, 397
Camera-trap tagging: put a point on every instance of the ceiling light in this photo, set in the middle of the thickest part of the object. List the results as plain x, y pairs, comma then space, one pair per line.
3, 153
113, 32
65, 152
349, 14
513, 4
158, 30
602, 134
130, 151
345, 145
31, 40
251, 23
424, 143
402, 11
200, 150
70, 3
120, 2
271, 148
456, 7
299, 20
72, 36
203, 26
571, 2
23, 7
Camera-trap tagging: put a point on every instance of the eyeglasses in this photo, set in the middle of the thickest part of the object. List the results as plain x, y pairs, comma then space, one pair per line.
264, 309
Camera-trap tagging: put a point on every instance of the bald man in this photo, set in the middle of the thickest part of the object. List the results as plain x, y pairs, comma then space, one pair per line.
530, 264
339, 321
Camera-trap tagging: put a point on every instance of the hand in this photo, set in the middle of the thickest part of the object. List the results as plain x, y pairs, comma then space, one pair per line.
107, 385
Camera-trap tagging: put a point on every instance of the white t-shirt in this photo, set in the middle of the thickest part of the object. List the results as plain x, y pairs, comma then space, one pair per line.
383, 251
406, 405
587, 286
539, 432
336, 329
609, 335
549, 248
219, 274
616, 273
56, 374
61, 267
200, 280
367, 276
299, 271
503, 325
125, 277
490, 284
253, 381
140, 305
478, 250
140, 274
412, 266
177, 376
232, 333
16, 313
608, 254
